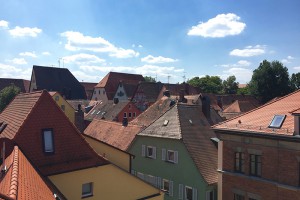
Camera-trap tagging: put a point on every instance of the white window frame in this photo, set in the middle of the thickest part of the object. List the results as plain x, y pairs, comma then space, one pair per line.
175, 153
153, 152
185, 192
89, 192
208, 194
48, 141
125, 115
163, 186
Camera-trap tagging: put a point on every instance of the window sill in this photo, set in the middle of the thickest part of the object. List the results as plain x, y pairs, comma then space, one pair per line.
86, 196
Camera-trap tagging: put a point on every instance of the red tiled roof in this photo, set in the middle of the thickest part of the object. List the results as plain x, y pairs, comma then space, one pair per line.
20, 83
22, 181
88, 86
27, 115
259, 119
175, 89
240, 106
112, 133
153, 112
187, 122
111, 81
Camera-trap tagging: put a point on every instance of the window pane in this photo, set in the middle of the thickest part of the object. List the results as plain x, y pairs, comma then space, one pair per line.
166, 185
48, 141
188, 193
149, 151
87, 189
171, 156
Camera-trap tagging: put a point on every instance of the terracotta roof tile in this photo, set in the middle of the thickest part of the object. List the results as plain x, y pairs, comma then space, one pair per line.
112, 133
153, 112
239, 106
105, 110
187, 122
259, 119
27, 115
22, 181
111, 81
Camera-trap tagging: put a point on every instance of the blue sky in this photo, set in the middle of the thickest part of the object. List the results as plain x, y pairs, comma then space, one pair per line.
165, 39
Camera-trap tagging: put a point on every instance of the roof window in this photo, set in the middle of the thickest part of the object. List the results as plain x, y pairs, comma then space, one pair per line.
277, 121
166, 122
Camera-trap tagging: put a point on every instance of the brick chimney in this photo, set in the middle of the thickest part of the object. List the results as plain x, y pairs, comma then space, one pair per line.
296, 123
79, 119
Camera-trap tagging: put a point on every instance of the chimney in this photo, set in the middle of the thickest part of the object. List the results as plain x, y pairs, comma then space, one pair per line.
181, 96
296, 123
125, 122
116, 100
79, 119
206, 107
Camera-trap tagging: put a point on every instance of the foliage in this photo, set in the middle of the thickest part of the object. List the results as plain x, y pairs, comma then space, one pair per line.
149, 79
270, 80
244, 90
230, 86
7, 94
295, 81
207, 84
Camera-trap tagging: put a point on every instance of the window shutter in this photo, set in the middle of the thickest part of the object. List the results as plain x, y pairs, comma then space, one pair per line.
154, 152
158, 183
163, 154
176, 156
143, 150
207, 195
194, 193
180, 192
171, 188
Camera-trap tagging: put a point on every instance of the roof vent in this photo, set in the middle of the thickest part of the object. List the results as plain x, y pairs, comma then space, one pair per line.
191, 122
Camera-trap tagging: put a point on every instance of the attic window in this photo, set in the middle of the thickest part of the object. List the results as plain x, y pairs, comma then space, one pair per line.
277, 121
166, 122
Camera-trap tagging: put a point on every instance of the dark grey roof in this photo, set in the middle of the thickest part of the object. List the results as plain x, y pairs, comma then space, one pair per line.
60, 80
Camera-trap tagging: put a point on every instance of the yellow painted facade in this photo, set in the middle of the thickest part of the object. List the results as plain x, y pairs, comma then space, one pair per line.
64, 105
115, 156
109, 183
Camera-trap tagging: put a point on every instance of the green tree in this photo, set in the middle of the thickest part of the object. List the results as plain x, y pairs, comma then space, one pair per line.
7, 94
230, 86
207, 84
244, 90
295, 81
270, 80
149, 79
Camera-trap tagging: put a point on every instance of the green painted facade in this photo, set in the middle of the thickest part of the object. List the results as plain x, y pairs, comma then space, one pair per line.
183, 172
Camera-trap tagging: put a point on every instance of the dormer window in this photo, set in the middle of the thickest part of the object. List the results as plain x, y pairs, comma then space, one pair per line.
277, 121
48, 141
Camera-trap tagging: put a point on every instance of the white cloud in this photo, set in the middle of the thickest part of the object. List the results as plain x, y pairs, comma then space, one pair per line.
297, 68
140, 46
3, 24
18, 61
241, 63
155, 60
82, 76
9, 71
146, 70
221, 26
249, 51
46, 53
242, 75
83, 59
25, 31
287, 59
29, 54
77, 41
290, 57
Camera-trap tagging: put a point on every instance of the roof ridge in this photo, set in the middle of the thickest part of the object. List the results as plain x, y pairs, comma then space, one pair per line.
259, 107
178, 118
13, 189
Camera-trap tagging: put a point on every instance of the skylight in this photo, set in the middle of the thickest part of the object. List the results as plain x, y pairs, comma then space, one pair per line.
277, 121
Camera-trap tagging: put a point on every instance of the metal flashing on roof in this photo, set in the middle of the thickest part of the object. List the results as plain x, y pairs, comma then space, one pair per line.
277, 121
